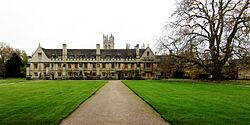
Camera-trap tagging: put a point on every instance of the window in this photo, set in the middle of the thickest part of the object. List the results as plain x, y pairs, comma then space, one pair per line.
147, 53
148, 65
104, 65
112, 65
103, 74
46, 65
76, 65
126, 65
94, 66
53, 56
35, 73
69, 65
85, 65
132, 66
35, 66
59, 65
39, 54
138, 65
80, 65
59, 74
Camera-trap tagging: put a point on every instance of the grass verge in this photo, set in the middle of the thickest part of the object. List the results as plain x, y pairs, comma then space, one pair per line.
187, 102
42, 102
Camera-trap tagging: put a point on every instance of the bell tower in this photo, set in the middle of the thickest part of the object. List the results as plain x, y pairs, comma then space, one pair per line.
108, 42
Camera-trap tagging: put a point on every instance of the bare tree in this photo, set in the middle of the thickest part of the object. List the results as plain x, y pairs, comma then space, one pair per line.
209, 32
5, 53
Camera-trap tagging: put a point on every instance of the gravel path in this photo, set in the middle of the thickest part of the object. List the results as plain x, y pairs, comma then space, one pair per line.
114, 104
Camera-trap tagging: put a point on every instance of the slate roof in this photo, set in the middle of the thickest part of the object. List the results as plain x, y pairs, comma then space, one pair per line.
91, 53
52, 52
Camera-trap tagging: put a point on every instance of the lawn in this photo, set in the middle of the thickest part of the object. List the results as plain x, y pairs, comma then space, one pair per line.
42, 102
10, 81
194, 103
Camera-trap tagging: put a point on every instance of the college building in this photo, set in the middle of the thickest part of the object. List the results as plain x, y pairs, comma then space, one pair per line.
105, 63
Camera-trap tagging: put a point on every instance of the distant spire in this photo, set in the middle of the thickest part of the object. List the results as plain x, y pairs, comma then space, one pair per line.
39, 45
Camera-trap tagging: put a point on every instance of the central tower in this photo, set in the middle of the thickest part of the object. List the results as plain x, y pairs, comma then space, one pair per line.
108, 42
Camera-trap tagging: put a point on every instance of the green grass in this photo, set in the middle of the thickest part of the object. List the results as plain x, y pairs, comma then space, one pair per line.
11, 81
42, 102
194, 103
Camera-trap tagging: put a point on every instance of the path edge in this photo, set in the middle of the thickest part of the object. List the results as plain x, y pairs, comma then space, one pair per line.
92, 94
146, 102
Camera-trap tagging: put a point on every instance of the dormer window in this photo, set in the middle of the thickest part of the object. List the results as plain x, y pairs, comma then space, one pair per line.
53, 56
147, 53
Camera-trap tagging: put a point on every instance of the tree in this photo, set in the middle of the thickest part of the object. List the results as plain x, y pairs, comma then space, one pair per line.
209, 32
13, 65
5, 53
24, 62
171, 66
2, 67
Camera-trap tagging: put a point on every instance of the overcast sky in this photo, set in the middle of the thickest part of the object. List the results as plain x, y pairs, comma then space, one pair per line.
81, 23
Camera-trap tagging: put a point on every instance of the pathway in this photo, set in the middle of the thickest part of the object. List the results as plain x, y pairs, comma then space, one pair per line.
114, 104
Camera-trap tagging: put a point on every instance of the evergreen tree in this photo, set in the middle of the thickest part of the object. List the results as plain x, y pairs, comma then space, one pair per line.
13, 65
2, 68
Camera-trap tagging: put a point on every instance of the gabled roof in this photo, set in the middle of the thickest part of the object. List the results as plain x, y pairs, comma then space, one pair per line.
91, 53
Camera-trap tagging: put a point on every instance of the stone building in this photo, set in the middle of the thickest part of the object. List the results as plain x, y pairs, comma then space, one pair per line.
243, 68
106, 63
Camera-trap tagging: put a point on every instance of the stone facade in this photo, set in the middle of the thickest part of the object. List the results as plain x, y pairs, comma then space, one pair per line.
106, 63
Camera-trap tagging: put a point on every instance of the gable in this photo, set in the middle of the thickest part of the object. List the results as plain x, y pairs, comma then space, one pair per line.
148, 55
39, 56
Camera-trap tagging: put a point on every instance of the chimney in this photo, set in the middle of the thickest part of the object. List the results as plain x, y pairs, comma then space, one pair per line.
64, 52
127, 46
98, 51
137, 51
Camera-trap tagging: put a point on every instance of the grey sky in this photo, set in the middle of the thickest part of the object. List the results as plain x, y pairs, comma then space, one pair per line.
80, 23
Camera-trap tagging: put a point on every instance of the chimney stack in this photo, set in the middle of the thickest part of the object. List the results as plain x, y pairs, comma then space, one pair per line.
64, 52
137, 51
98, 51
127, 46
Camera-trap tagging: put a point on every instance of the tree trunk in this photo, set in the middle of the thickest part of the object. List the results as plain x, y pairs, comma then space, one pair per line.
217, 73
